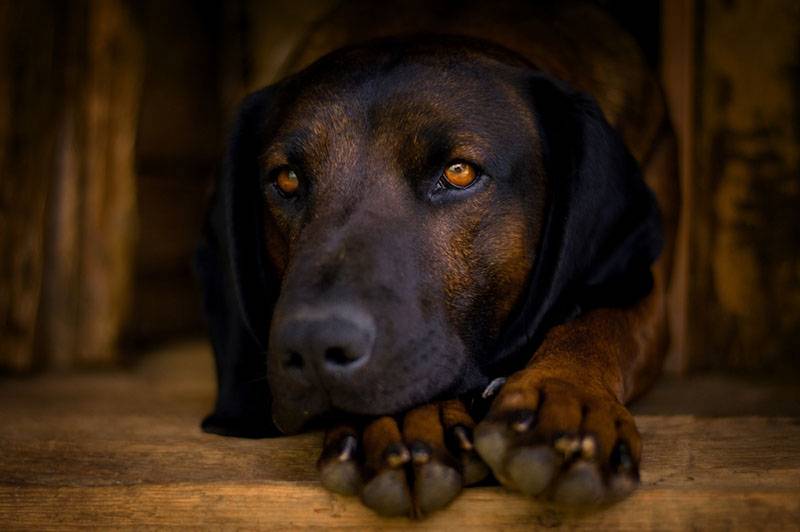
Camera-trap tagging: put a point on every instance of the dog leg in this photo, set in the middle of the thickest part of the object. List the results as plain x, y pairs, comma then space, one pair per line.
413, 471
548, 436
558, 428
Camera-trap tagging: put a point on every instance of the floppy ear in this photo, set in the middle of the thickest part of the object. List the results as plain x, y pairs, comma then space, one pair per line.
239, 286
602, 230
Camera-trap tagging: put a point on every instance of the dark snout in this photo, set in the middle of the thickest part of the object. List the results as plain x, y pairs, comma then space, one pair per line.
358, 326
331, 340
318, 347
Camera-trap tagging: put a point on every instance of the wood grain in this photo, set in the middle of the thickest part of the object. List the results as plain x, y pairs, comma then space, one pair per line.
123, 449
678, 51
745, 265
287, 506
72, 75
28, 40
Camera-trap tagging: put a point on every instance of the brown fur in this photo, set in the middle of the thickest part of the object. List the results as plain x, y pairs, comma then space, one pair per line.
584, 47
586, 369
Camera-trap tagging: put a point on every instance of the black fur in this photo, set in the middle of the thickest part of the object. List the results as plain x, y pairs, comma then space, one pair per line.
602, 232
600, 235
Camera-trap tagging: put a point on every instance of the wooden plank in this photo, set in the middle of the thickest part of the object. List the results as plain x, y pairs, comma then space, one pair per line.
28, 42
745, 271
115, 69
67, 190
179, 146
722, 395
678, 50
258, 39
123, 448
287, 506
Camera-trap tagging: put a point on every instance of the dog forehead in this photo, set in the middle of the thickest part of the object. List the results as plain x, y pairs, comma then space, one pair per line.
373, 83
370, 106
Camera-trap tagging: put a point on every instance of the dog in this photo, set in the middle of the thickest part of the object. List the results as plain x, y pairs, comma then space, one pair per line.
447, 214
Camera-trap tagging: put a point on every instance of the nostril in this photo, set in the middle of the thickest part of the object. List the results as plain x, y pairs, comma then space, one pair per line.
293, 359
338, 356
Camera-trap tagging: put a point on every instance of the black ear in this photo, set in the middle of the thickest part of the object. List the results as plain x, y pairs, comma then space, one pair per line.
602, 230
239, 286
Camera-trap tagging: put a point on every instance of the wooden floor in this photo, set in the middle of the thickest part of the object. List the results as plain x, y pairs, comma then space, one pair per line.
122, 448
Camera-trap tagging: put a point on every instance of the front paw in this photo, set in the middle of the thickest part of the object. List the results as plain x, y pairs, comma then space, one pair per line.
552, 438
411, 472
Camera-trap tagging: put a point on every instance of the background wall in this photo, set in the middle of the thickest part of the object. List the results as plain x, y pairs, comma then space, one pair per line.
745, 238
70, 92
112, 122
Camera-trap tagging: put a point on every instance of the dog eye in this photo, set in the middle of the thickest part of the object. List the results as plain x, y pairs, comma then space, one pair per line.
460, 174
287, 182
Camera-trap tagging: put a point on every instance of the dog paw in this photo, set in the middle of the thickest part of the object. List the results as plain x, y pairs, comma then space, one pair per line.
554, 439
413, 471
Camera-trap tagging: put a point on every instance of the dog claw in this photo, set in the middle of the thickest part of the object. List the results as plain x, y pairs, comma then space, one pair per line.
523, 421
420, 453
396, 455
588, 448
461, 435
624, 473
621, 460
567, 446
348, 447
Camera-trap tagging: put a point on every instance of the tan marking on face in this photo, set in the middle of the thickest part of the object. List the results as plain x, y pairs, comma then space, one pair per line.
277, 247
484, 260
455, 240
514, 256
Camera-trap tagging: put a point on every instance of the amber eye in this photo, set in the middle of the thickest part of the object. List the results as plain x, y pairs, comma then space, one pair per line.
460, 174
287, 181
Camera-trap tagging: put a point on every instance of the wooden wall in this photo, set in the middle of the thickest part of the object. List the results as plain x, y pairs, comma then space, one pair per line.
70, 80
734, 85
178, 147
202, 58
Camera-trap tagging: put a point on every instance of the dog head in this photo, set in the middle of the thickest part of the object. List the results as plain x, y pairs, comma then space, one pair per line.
404, 217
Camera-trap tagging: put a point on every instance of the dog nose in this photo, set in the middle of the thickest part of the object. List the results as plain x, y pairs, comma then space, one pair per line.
332, 340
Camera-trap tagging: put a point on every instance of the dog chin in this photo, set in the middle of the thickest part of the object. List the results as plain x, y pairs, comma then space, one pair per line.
291, 415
